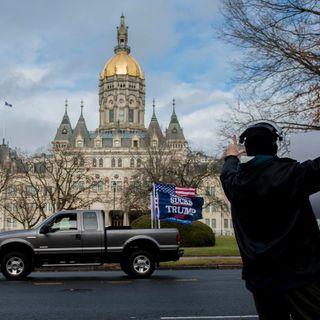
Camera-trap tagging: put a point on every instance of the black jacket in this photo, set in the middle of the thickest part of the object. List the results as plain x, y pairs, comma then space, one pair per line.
275, 227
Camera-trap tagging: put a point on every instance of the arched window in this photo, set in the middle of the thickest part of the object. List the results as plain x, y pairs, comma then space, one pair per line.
131, 163
101, 162
138, 162
130, 115
100, 186
121, 115
113, 163
94, 162
111, 116
119, 162
154, 143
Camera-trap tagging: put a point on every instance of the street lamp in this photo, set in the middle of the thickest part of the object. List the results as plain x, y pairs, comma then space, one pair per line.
114, 184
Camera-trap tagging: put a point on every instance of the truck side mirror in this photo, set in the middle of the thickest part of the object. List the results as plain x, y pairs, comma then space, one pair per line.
45, 229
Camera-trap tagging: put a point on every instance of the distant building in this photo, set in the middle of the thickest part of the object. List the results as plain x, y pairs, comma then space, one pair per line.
8, 162
117, 147
8, 157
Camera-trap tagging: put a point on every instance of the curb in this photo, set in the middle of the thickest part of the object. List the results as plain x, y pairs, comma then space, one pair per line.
185, 263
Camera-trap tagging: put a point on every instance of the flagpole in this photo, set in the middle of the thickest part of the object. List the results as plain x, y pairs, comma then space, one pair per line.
6, 104
158, 216
3, 128
3, 122
151, 209
157, 213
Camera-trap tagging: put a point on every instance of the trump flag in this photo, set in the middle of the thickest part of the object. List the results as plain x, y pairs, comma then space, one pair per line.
169, 205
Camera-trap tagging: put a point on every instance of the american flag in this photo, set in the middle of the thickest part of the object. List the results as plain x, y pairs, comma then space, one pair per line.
7, 104
178, 191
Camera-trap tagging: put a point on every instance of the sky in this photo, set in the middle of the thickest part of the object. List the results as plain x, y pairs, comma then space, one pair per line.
54, 50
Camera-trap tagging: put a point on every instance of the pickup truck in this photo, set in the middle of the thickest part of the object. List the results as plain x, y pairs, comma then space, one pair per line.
80, 238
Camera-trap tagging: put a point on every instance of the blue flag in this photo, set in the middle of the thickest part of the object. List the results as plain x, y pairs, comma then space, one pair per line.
179, 209
7, 104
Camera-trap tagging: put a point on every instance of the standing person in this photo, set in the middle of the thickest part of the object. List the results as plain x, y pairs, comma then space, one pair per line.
275, 227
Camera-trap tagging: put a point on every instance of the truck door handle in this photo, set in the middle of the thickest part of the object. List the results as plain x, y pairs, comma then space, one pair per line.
78, 237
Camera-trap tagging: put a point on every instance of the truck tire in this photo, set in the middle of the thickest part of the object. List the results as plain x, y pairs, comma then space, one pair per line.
141, 264
125, 267
15, 265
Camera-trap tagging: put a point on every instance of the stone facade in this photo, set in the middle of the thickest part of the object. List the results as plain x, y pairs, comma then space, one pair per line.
117, 147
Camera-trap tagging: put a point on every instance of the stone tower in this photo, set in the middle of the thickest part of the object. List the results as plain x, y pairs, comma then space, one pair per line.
121, 89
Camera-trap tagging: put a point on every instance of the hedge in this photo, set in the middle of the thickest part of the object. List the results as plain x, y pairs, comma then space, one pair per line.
196, 234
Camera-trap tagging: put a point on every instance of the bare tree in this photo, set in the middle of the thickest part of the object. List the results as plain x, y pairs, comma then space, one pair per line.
20, 204
59, 180
5, 177
279, 70
62, 179
153, 166
162, 165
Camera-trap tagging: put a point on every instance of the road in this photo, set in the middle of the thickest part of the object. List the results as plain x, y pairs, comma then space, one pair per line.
167, 295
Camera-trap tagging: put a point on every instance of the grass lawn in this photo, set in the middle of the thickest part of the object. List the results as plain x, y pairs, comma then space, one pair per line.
225, 246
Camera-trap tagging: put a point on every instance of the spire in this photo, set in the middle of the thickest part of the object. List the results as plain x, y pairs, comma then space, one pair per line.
154, 130
154, 117
81, 114
174, 131
64, 131
122, 37
65, 119
81, 129
174, 118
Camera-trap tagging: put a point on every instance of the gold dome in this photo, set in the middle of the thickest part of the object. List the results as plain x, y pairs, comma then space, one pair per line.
122, 63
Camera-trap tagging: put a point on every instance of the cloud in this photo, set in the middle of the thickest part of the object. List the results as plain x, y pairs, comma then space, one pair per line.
32, 122
199, 110
53, 50
201, 126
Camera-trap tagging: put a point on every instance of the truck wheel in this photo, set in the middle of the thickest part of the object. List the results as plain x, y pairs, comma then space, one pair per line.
125, 267
141, 264
15, 266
